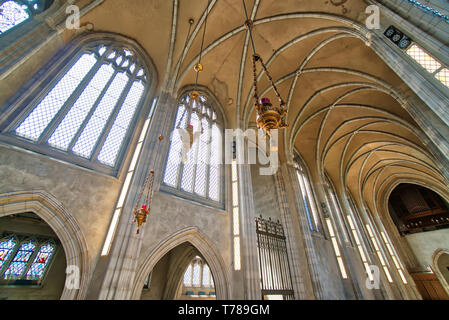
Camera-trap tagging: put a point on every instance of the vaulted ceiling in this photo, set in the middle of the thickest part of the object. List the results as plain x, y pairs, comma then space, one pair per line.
345, 104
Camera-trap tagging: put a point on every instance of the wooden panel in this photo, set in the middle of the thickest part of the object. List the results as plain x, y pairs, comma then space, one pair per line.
429, 286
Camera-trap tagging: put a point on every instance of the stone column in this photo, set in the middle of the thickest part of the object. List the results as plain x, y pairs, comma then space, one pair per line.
125, 251
248, 237
353, 267
310, 251
385, 291
292, 240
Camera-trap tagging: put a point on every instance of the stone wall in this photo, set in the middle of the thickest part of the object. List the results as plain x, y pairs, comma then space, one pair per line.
88, 196
424, 245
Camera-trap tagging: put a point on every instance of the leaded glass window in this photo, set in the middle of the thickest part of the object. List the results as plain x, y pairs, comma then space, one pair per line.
188, 276
13, 13
198, 274
89, 111
432, 65
25, 258
196, 168
196, 277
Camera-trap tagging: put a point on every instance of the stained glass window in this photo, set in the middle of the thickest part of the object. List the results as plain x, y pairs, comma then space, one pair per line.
89, 110
6, 249
195, 166
24, 258
36, 271
20, 261
13, 13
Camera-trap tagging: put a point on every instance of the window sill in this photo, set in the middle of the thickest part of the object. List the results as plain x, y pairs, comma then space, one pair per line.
192, 198
21, 283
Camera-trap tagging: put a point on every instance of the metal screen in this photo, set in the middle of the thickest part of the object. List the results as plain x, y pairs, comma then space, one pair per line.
274, 266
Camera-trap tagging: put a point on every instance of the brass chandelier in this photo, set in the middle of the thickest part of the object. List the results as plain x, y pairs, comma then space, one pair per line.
143, 204
269, 116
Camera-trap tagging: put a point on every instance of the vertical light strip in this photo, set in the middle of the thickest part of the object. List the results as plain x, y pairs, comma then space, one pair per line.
339, 215
236, 216
379, 253
305, 197
336, 248
360, 248
311, 202
125, 187
394, 257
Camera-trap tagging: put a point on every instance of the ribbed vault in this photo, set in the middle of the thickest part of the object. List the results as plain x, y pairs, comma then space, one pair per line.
346, 106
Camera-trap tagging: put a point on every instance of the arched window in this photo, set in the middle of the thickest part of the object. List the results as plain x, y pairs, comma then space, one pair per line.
24, 258
336, 209
13, 13
86, 114
195, 166
307, 196
198, 274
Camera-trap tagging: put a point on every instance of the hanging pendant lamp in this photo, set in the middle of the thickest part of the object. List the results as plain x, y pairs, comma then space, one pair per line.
269, 116
143, 204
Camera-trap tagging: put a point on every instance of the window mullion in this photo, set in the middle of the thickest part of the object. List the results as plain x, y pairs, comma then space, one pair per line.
188, 111
438, 70
208, 157
11, 257
111, 119
31, 259
195, 165
91, 112
54, 123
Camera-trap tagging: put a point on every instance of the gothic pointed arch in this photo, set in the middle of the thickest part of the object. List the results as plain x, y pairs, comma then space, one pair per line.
63, 224
195, 238
195, 170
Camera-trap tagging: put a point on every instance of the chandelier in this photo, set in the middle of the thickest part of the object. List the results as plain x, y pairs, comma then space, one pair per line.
194, 96
143, 203
269, 116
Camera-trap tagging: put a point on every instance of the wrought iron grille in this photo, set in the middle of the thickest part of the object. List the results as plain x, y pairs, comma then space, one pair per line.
274, 267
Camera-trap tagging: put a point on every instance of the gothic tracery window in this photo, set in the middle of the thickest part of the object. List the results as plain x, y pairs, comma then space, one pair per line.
87, 112
25, 258
198, 169
13, 13
198, 274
